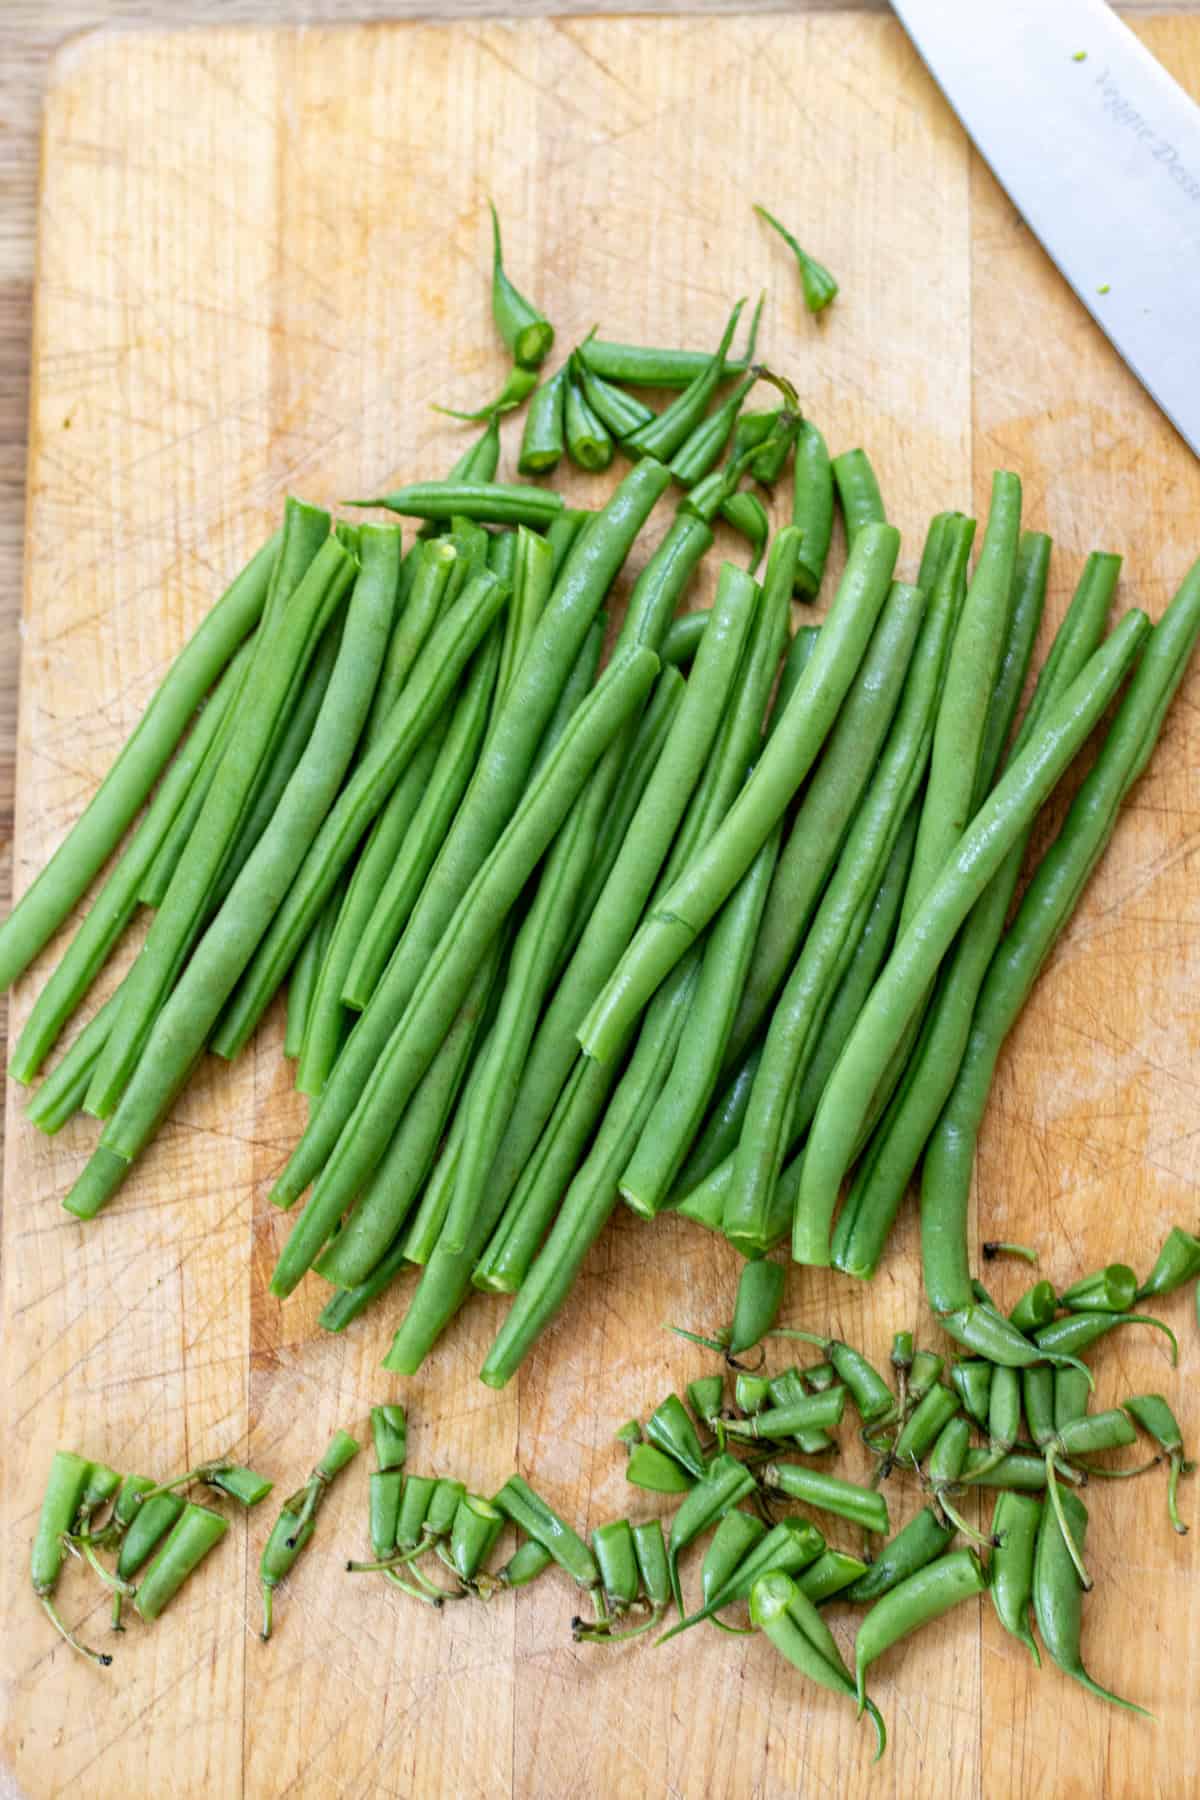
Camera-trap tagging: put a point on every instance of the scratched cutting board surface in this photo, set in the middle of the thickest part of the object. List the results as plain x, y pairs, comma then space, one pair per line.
263, 255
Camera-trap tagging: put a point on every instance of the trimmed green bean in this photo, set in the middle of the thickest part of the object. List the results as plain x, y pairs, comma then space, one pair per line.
812, 508
858, 493
488, 502
544, 437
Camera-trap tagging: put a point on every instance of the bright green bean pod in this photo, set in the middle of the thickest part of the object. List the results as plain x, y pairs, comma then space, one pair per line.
726, 1483
832, 1573
527, 333
638, 365
701, 449
195, 1533
972, 1382
589, 444
1015, 1522
731, 1543
924, 1425
830, 1493
621, 413
827, 810
1077, 1332
526, 1563
414, 1506
917, 1601
663, 435
1036, 1307
790, 1547
858, 493
651, 1468
616, 1559
746, 513
389, 1434
477, 1525
518, 1502
487, 502
383, 1503
1177, 1263
792, 1624
680, 1107
651, 1551
812, 508
543, 439
815, 1412
914, 1547
760, 1292
1058, 1597
1113, 1289
448, 976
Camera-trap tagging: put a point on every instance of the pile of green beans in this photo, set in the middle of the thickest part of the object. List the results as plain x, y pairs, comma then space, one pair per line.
722, 927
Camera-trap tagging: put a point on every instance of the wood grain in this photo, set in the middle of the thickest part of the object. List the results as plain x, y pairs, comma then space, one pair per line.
261, 258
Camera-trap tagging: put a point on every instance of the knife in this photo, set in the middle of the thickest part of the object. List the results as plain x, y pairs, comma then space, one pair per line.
1099, 150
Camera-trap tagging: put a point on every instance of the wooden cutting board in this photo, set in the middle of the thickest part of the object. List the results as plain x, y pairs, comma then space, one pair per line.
263, 255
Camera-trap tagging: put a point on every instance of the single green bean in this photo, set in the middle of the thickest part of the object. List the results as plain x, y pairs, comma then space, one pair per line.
544, 438
829, 1493
488, 502
589, 444
916, 1601
197, 1531
812, 508
858, 492
1058, 1597
818, 284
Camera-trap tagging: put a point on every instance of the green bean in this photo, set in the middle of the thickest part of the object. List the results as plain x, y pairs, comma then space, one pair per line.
281, 761
383, 1206
487, 502
482, 459
61, 1502
526, 331
760, 1291
1058, 1597
913, 962
732, 1541
543, 439
302, 979
790, 1387
519, 383
405, 875
619, 412
916, 1601
535, 954
526, 1563
914, 1547
491, 800
593, 1194
305, 529
817, 283
662, 436
538, 1520
684, 910
1031, 572
677, 1113
670, 1430
94, 836
114, 906
812, 507
829, 1493
701, 449
706, 1396
653, 734
790, 1547
832, 1573
858, 493
181, 916
970, 680
972, 1382
651, 1468
770, 1127
1152, 1413
588, 442
637, 365
443, 986
924, 1425
814, 1412
1045, 907
684, 637
1177, 1263
195, 1533
356, 894
1015, 1523
183, 1023
828, 807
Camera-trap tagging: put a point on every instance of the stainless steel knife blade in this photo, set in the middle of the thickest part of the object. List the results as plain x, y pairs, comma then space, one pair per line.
1099, 150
